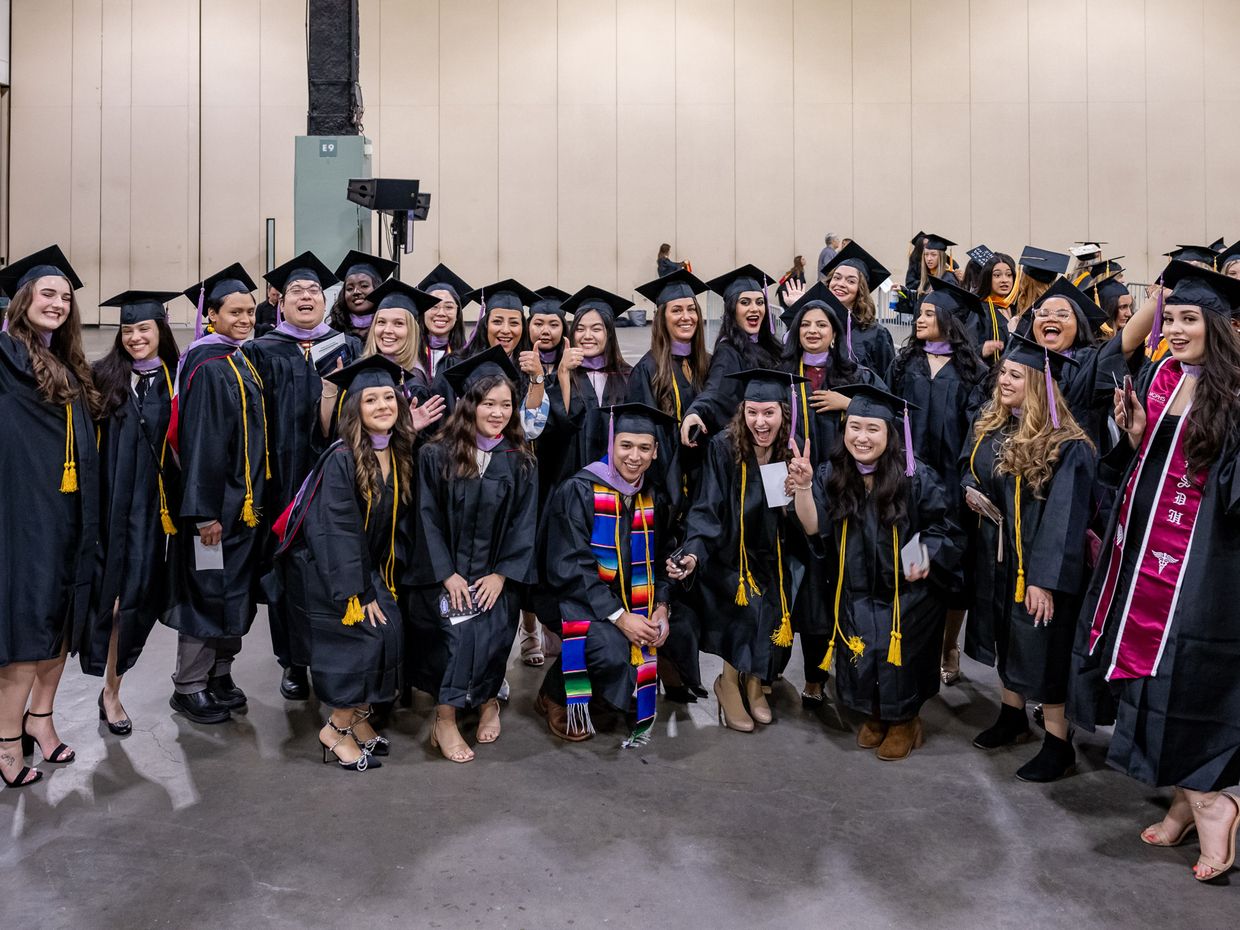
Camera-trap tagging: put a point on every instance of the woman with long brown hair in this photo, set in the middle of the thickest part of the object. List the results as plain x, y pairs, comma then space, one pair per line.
1156, 643
1032, 466
47, 401
341, 558
853, 276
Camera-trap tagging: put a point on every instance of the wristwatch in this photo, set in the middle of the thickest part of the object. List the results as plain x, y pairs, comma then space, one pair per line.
537, 379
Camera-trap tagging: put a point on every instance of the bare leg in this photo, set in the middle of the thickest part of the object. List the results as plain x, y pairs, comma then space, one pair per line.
1215, 815
532, 653
43, 700
1012, 699
342, 744
16, 680
1055, 721
447, 738
112, 681
1171, 828
950, 664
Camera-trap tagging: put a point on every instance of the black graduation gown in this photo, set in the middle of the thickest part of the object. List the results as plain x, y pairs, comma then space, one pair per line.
740, 635
47, 556
133, 564
869, 684
1180, 726
212, 439
576, 435
676, 469
573, 590
471, 527
873, 346
721, 396
1088, 387
1033, 660
987, 587
336, 549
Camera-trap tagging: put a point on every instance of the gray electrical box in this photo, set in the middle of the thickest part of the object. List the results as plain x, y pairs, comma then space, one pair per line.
324, 221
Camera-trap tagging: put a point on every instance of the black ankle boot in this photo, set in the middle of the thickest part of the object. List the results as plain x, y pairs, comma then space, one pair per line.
1054, 760
225, 691
1011, 727
295, 685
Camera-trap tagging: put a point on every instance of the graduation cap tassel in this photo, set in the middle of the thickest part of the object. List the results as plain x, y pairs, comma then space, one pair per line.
1050, 389
848, 335
766, 299
895, 655
611, 445
68, 477
353, 613
910, 462
202, 300
1156, 327
783, 633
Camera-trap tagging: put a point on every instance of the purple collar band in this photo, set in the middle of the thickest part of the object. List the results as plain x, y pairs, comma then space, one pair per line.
380, 440
866, 469
144, 365
594, 362
437, 342
305, 335
362, 320
547, 358
681, 349
1192, 370
604, 472
816, 359
487, 443
938, 347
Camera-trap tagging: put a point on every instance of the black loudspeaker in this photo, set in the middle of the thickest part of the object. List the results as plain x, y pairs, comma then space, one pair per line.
386, 195
332, 60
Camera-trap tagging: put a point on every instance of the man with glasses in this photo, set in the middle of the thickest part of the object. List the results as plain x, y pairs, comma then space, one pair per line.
291, 360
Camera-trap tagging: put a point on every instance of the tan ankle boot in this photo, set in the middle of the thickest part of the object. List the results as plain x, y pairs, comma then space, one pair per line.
871, 734
759, 709
731, 708
901, 740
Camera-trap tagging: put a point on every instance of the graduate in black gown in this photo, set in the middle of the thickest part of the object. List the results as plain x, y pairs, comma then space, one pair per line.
290, 362
1040, 480
928, 260
668, 378
737, 545
854, 277
396, 335
342, 555
940, 374
359, 274
816, 350
866, 504
997, 290
219, 431
746, 340
49, 513
443, 325
1155, 650
476, 523
601, 550
139, 494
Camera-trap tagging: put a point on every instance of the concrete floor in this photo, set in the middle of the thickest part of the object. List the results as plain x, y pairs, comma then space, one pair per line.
236, 825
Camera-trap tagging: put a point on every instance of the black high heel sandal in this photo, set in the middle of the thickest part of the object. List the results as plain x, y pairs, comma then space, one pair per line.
360, 764
20, 781
121, 727
60, 755
377, 745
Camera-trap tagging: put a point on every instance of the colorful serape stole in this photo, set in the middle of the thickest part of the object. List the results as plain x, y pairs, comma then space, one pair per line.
636, 593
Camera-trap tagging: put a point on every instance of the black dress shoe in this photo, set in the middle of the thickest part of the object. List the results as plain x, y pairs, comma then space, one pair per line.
1054, 760
225, 692
121, 727
1011, 727
199, 707
679, 694
295, 685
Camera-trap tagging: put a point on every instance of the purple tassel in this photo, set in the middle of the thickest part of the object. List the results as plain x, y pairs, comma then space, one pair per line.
792, 431
202, 300
1050, 390
848, 335
910, 464
766, 299
1155, 336
4, 327
611, 446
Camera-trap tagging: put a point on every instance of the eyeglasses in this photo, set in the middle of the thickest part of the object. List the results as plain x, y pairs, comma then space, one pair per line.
1042, 313
296, 292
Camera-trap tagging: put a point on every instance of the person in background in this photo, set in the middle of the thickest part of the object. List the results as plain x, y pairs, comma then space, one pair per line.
795, 274
265, 316
831, 245
664, 265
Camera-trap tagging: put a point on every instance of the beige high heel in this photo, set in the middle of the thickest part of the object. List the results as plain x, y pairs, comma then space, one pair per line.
488, 730
454, 749
759, 709
731, 708
1211, 868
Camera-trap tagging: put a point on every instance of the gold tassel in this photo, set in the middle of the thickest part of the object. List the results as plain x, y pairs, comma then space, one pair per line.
856, 645
743, 573
1020, 549
894, 655
635, 655
825, 664
170, 528
741, 599
783, 635
68, 479
1020, 586
248, 516
353, 613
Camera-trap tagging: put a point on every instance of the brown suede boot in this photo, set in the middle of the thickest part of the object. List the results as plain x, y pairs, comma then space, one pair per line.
871, 734
557, 719
902, 739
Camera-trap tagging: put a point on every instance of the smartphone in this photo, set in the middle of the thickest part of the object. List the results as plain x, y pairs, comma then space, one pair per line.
695, 433
678, 557
1130, 399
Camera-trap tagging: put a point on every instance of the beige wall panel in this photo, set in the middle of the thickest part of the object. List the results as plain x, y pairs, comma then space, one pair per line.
41, 71
586, 40
156, 29
232, 52
86, 230
645, 52
1116, 59
1177, 175
940, 59
705, 66
527, 194
158, 247
282, 62
822, 156
468, 55
881, 48
764, 193
999, 52
882, 190
940, 170
1057, 51
764, 53
822, 51
1000, 156
587, 196
706, 188
1173, 47
276, 160
1058, 174
408, 147
1221, 32
1222, 152
527, 53
230, 171
1117, 184
468, 193
645, 191
409, 78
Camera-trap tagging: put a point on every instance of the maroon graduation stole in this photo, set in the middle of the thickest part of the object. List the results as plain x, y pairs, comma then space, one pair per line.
1165, 534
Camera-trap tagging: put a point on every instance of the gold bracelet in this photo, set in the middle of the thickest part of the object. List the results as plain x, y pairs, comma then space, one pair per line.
332, 394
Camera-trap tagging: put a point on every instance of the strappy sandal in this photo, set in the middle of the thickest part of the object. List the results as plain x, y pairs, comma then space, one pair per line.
377, 745
1156, 835
532, 653
456, 751
360, 764
1217, 868
60, 755
21, 781
488, 732
949, 670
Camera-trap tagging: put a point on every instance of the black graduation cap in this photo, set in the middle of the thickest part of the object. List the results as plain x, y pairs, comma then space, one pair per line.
676, 285
1229, 255
1219, 244
1042, 265
867, 400
505, 295
1027, 352
937, 242
638, 418
1090, 313
549, 300
917, 237
1106, 267
443, 278
493, 362
739, 280
1106, 287
231, 280
980, 254
361, 263
820, 296
1200, 287
305, 267
1084, 247
765, 385
371, 371
140, 306
857, 257
595, 298
48, 261
395, 293
947, 295
1194, 253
